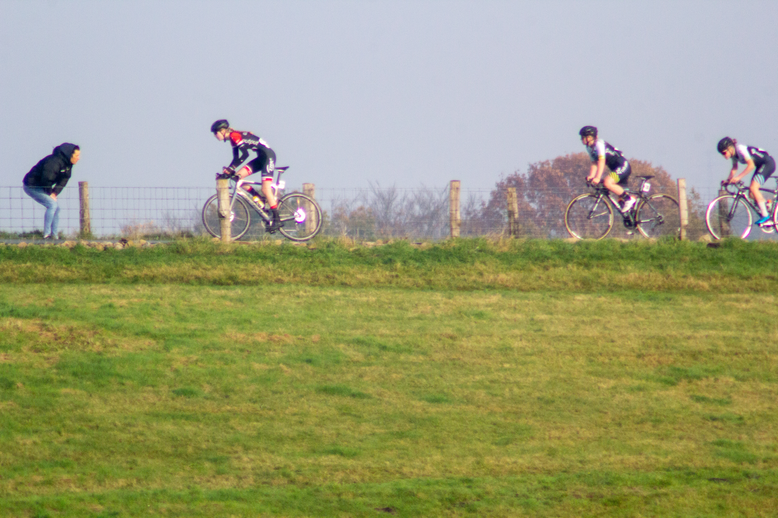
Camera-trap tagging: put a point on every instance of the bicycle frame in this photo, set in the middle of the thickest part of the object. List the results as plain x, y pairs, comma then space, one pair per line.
741, 192
260, 209
640, 194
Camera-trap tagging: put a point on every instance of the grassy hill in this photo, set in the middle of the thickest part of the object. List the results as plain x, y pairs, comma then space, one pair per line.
468, 378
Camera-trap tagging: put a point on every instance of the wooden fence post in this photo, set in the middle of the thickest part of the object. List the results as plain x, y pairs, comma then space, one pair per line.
513, 213
683, 207
84, 219
454, 214
309, 190
724, 229
223, 196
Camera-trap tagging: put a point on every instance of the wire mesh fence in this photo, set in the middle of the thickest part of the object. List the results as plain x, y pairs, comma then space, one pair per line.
360, 213
114, 211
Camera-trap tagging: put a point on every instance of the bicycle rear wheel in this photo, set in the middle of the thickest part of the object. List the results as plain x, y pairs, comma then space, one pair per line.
658, 216
589, 216
728, 216
239, 219
300, 215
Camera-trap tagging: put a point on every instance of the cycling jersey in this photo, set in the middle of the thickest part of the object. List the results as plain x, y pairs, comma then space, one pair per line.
613, 157
765, 165
242, 143
745, 153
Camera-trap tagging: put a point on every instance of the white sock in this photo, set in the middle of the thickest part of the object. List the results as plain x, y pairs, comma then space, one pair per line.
763, 208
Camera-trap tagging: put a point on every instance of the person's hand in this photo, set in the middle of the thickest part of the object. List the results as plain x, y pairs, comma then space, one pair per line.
226, 174
54, 196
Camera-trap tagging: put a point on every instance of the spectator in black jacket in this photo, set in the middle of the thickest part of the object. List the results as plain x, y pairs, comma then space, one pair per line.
46, 180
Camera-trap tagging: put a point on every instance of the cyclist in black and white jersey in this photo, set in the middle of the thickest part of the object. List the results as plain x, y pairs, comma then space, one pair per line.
602, 154
243, 143
756, 160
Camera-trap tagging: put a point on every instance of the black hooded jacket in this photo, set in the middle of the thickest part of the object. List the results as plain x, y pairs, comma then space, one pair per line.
53, 172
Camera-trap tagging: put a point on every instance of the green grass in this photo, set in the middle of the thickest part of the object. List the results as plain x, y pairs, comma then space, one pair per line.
431, 396
525, 265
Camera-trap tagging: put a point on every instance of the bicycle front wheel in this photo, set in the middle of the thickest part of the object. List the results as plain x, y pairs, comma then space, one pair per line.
589, 216
240, 218
728, 216
658, 216
300, 215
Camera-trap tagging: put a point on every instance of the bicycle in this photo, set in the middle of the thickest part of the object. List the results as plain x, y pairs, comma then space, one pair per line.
590, 215
730, 215
301, 216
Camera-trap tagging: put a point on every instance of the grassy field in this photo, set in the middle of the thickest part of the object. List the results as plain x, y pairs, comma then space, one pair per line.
474, 378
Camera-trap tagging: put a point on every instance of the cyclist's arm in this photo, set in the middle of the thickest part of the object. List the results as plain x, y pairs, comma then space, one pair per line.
595, 174
592, 171
239, 155
750, 167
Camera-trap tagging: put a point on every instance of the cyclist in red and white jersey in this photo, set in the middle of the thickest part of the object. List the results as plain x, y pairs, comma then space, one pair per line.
243, 143
756, 160
601, 153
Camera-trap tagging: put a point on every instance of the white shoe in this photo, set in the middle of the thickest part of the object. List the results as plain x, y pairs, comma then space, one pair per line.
628, 204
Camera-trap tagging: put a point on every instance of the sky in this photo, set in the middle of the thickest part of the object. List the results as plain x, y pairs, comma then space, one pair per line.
376, 92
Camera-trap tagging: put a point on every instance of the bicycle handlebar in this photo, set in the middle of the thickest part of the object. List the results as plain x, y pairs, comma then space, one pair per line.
596, 186
739, 186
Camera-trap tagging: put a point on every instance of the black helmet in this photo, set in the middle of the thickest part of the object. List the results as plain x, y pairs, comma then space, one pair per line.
587, 131
219, 124
724, 144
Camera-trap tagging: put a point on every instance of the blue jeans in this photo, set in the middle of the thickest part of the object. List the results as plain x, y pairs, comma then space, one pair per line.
51, 218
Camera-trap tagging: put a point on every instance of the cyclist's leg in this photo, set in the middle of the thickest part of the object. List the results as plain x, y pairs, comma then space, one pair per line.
268, 170
273, 202
757, 180
265, 165
244, 172
617, 181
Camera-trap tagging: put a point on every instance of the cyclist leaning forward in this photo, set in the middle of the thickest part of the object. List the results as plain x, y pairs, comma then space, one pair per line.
602, 154
242, 143
756, 160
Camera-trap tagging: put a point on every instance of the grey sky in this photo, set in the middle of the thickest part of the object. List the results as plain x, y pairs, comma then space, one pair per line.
396, 92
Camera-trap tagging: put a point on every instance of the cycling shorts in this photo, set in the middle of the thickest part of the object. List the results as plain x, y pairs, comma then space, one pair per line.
764, 171
621, 175
265, 165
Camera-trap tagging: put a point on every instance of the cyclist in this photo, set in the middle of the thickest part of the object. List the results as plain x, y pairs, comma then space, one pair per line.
265, 162
602, 154
756, 160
